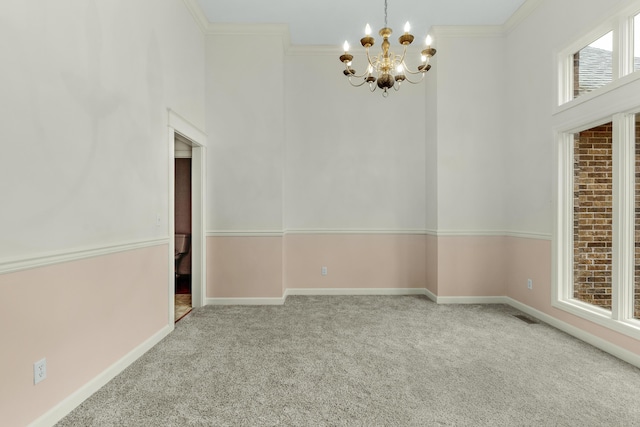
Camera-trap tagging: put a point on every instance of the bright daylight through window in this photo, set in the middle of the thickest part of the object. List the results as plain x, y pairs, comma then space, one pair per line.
593, 65
597, 240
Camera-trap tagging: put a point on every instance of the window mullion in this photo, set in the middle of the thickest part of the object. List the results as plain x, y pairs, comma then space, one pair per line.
623, 36
623, 216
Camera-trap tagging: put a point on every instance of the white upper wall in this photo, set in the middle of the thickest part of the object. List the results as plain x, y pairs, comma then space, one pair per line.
530, 79
84, 95
245, 126
293, 147
354, 160
469, 117
299, 149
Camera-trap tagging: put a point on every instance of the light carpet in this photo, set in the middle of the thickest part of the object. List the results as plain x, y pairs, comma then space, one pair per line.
366, 361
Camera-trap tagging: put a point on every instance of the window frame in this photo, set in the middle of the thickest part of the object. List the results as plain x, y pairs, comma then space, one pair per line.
620, 318
617, 102
623, 72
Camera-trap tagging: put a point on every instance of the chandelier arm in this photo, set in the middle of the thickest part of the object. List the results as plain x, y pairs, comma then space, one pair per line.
369, 59
366, 73
356, 85
413, 82
404, 53
415, 73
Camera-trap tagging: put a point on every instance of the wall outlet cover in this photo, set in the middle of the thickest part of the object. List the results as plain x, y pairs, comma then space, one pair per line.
39, 371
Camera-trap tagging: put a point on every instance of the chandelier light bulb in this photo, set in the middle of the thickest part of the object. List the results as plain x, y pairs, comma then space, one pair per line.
386, 70
428, 41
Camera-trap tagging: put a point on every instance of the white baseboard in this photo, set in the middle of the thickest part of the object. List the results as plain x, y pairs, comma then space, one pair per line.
67, 405
606, 346
245, 301
355, 291
471, 300
319, 291
433, 297
59, 411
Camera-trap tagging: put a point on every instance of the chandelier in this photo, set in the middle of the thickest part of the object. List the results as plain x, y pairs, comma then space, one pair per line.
387, 70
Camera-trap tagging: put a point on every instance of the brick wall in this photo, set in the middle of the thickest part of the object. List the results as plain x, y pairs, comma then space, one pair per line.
593, 216
576, 74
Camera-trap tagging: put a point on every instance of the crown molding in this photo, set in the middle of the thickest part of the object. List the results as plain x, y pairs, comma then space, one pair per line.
221, 28
244, 29
466, 31
283, 29
520, 15
198, 15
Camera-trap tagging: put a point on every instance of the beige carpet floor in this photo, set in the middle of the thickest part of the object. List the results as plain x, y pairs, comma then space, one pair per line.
366, 361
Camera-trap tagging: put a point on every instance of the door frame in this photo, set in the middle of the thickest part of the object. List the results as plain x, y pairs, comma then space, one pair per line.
197, 138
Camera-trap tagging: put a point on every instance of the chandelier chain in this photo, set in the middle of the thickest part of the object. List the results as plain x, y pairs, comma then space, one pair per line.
385, 13
386, 70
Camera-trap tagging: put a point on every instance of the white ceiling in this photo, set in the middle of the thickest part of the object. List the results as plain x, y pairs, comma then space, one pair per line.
330, 22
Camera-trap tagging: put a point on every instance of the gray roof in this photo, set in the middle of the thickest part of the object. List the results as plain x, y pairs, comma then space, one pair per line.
595, 68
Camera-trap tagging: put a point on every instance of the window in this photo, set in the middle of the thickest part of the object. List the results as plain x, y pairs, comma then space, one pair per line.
593, 216
598, 224
593, 65
597, 227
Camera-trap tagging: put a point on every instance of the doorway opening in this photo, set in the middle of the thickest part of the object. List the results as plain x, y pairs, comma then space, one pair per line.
183, 230
187, 243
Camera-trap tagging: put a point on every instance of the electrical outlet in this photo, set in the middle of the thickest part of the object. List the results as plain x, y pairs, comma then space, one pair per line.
323, 271
529, 284
39, 371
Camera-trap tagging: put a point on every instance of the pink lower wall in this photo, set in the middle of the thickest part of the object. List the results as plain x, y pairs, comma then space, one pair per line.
531, 259
448, 266
82, 316
471, 266
244, 267
355, 261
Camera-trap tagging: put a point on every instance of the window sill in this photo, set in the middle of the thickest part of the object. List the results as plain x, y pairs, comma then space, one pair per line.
610, 87
599, 316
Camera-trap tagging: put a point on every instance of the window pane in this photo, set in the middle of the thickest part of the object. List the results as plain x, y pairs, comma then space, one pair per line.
592, 219
636, 305
636, 42
592, 65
